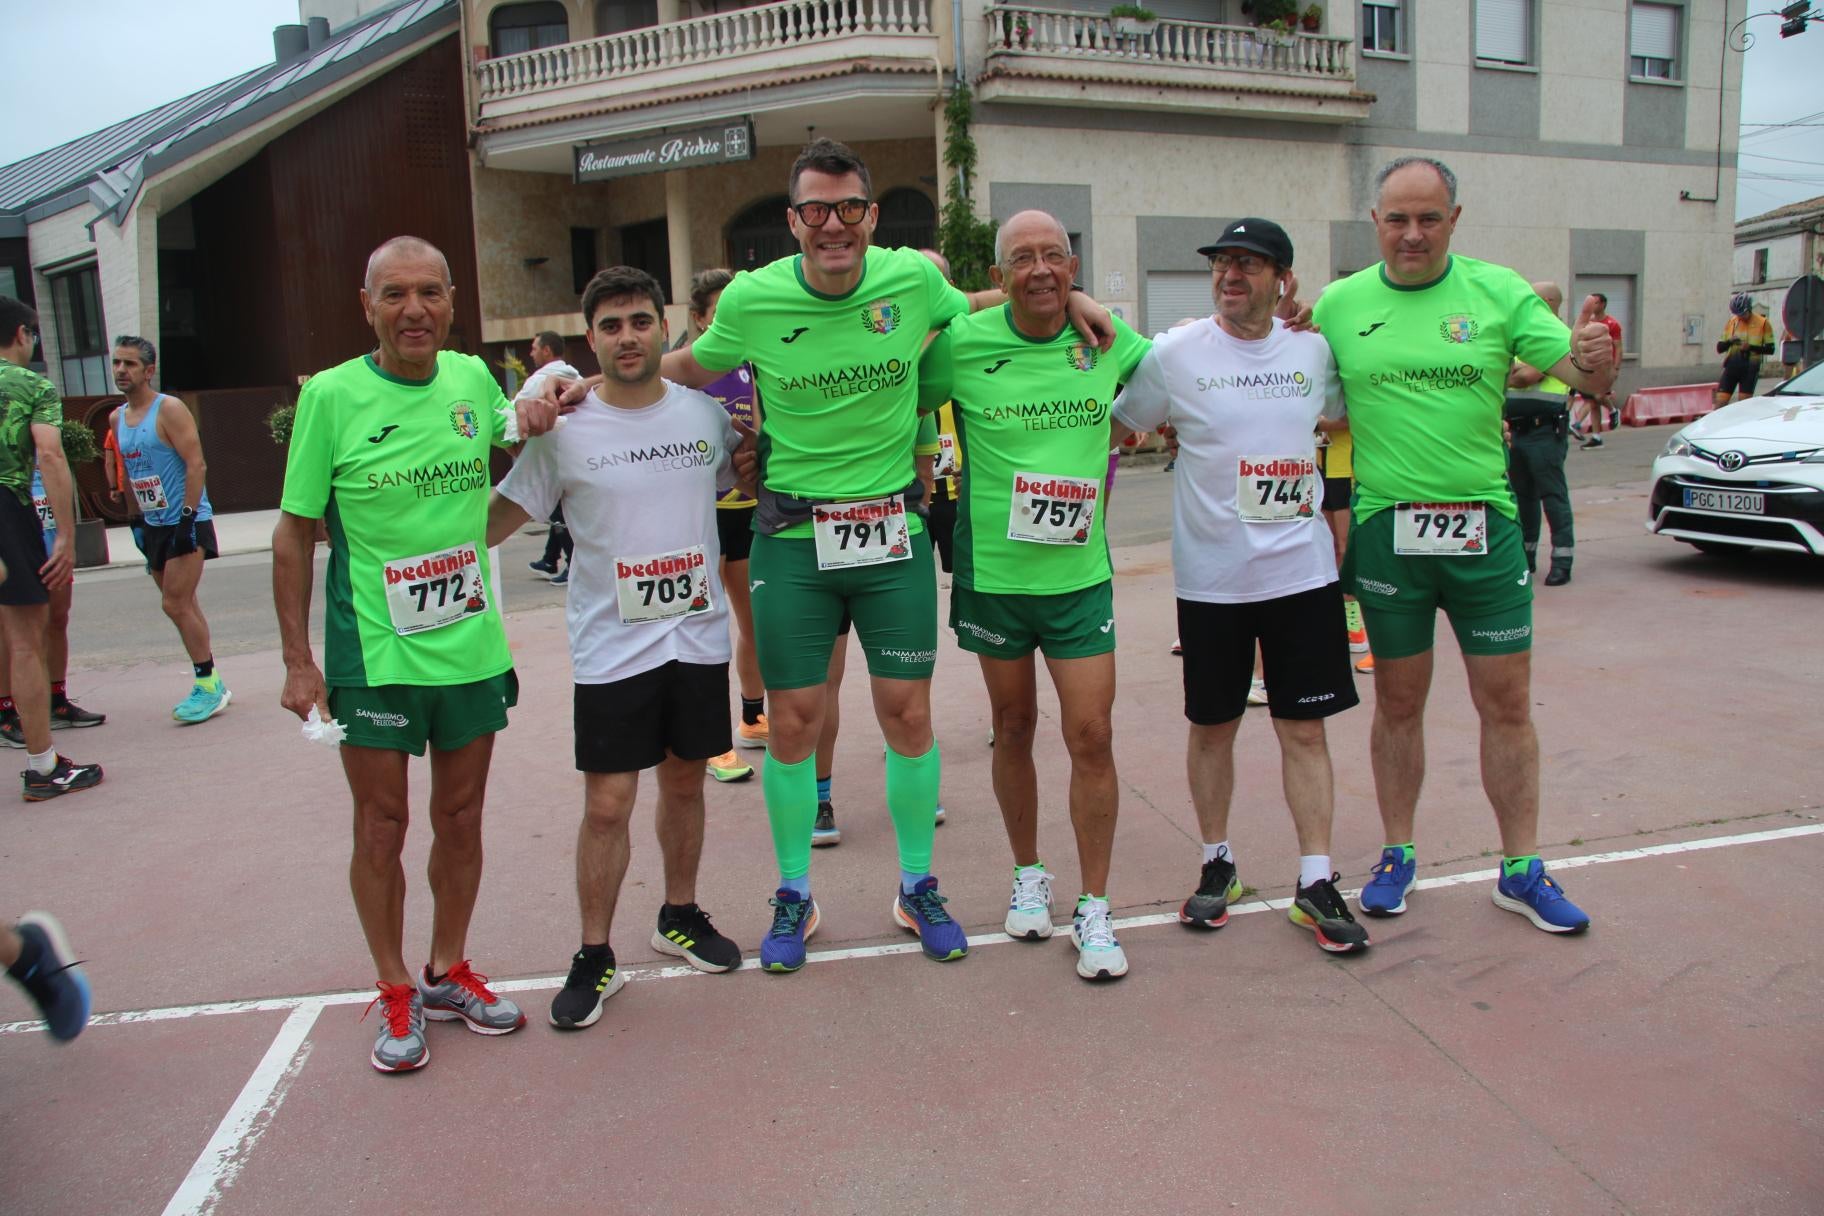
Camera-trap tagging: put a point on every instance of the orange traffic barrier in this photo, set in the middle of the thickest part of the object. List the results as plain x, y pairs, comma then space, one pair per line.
1670, 403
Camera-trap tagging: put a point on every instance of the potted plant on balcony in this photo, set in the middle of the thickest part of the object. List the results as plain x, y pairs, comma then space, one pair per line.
1016, 30
1132, 21
1312, 19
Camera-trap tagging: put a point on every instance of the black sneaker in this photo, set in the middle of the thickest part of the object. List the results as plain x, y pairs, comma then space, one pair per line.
684, 930
1208, 908
1320, 909
66, 778
11, 732
543, 567
593, 979
824, 832
67, 713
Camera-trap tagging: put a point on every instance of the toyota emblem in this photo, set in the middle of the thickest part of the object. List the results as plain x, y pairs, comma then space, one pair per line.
1729, 462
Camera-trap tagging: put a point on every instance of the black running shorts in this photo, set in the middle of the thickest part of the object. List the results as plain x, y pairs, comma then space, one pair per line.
1304, 655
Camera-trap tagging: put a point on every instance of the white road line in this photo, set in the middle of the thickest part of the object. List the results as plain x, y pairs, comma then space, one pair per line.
542, 983
247, 1120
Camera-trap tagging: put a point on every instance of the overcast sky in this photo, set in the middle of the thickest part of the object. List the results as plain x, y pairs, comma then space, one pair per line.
77, 66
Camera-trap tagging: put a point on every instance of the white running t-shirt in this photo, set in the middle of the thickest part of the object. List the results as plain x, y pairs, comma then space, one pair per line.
1247, 511
638, 488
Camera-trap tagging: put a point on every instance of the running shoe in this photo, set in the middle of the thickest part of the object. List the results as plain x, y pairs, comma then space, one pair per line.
824, 831
401, 1045
1591, 441
1557, 576
940, 813
1029, 907
592, 980
1538, 897
1358, 641
1365, 664
728, 767
1217, 888
684, 931
922, 912
1320, 909
54, 981
1178, 647
543, 567
794, 920
1385, 894
1099, 955
561, 578
66, 713
752, 734
463, 995
12, 731
67, 778
1257, 692
207, 698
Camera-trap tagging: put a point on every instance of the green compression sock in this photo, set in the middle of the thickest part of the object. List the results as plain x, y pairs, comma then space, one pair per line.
1510, 866
912, 802
791, 806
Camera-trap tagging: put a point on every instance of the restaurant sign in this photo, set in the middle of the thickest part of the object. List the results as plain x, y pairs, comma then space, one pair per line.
656, 152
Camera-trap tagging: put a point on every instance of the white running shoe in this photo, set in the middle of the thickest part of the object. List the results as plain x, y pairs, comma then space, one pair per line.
1099, 955
1029, 908
1257, 692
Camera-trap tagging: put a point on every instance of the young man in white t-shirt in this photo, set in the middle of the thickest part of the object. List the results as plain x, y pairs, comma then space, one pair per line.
1252, 559
637, 469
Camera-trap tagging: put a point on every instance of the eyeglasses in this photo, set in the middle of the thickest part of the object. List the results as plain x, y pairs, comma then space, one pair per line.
816, 214
1025, 259
1247, 263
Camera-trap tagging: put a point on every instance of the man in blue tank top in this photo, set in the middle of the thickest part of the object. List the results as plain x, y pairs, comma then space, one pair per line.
164, 459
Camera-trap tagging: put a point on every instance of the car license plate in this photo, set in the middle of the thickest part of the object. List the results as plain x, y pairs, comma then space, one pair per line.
1726, 500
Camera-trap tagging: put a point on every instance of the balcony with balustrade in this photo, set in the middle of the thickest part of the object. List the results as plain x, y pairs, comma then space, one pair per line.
763, 57
1054, 57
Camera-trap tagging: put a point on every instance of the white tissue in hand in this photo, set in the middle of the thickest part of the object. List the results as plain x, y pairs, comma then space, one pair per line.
512, 434
329, 733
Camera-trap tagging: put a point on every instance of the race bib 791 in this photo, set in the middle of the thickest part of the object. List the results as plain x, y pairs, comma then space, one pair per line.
863, 533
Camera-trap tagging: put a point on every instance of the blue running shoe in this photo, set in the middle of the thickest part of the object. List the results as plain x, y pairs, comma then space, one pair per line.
1540, 899
208, 697
794, 920
923, 913
1385, 894
54, 980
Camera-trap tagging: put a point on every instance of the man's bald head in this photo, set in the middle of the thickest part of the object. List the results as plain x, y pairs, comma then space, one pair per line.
1548, 291
938, 260
1024, 221
402, 249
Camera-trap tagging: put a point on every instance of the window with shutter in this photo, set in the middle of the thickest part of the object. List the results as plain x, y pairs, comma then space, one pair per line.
1504, 31
1653, 42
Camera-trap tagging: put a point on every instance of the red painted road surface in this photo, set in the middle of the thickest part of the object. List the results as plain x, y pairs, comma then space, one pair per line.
1670, 1061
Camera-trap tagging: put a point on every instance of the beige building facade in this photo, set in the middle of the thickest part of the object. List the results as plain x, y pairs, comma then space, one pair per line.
1592, 140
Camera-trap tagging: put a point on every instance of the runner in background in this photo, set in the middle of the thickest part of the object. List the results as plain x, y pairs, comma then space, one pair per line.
64, 712
1335, 458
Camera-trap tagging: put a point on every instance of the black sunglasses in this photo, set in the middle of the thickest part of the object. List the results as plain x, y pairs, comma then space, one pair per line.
816, 214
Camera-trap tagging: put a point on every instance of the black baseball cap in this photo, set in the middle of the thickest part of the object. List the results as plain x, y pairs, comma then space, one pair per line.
1258, 236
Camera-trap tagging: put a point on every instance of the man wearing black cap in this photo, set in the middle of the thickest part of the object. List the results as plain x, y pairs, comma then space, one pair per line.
1252, 558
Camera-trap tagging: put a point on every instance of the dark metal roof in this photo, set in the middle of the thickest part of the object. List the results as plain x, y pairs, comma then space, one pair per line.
117, 158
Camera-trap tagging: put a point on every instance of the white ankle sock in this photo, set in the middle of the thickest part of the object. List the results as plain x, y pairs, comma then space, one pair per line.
1313, 867
1212, 851
44, 763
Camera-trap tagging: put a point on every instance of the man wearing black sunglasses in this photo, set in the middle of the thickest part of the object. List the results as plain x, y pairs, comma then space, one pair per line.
834, 336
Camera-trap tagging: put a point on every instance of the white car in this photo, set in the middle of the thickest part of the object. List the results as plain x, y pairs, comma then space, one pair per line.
1750, 475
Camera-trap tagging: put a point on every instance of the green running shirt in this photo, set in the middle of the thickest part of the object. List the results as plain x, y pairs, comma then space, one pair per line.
1035, 410
1424, 372
25, 398
399, 471
836, 374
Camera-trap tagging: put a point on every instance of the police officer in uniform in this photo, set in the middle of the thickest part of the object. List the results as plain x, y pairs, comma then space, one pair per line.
1538, 417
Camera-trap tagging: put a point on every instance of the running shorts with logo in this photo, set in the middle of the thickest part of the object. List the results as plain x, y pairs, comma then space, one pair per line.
632, 724
1068, 625
1488, 597
1424, 370
158, 541
837, 378
1304, 656
798, 610
407, 717
398, 470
